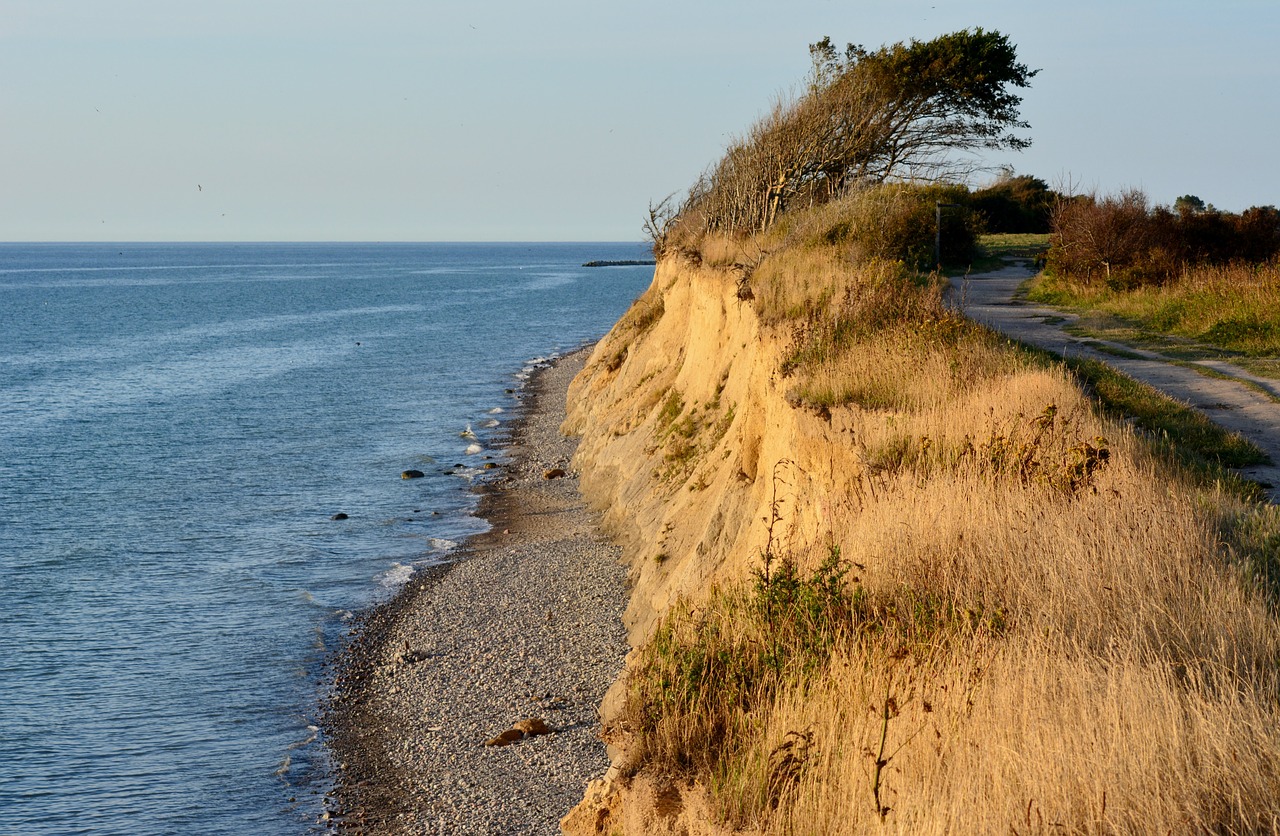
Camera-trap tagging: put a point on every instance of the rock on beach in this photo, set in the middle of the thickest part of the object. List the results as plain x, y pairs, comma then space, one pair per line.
487, 661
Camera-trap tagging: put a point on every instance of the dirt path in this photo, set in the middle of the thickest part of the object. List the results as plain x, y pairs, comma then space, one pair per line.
989, 298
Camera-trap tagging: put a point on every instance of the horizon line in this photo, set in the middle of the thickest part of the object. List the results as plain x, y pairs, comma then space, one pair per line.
328, 241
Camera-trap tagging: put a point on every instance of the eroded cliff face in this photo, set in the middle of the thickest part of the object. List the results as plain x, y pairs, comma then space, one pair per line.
688, 444
687, 439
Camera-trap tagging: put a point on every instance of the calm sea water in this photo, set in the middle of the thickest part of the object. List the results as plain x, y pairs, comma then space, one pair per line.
178, 423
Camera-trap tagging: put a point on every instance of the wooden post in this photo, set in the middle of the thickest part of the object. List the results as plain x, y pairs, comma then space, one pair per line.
937, 233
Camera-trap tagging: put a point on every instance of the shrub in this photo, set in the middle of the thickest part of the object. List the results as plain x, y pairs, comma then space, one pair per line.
1101, 237
897, 222
1015, 204
1124, 242
702, 673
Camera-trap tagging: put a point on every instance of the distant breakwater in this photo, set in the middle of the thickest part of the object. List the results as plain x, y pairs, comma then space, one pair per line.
641, 263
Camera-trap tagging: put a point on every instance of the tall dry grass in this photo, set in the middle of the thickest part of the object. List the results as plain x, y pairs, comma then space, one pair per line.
1017, 618
872, 333
1014, 653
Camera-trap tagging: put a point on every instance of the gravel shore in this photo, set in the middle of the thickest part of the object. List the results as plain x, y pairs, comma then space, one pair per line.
526, 624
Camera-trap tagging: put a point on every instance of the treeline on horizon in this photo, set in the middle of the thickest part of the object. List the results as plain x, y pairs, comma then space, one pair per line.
1126, 242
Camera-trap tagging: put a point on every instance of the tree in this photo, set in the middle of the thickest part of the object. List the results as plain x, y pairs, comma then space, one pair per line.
927, 99
1189, 204
904, 110
1094, 236
659, 223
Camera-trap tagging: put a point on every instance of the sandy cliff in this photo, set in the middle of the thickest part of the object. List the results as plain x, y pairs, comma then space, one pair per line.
687, 441
683, 418
1030, 576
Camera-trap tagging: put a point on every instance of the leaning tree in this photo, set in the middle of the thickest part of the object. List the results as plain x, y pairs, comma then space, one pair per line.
908, 110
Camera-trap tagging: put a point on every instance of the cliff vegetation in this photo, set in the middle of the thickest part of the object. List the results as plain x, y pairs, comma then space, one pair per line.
892, 573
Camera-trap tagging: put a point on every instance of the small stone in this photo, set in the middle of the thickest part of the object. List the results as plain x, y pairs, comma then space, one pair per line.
531, 726
553, 473
506, 738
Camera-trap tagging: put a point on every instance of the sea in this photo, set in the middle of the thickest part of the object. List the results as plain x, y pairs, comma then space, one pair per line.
179, 426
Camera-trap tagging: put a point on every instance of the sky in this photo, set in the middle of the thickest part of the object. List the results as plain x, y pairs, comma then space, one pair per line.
418, 120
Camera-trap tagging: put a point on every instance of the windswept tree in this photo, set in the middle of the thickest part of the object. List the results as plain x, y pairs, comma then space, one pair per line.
903, 111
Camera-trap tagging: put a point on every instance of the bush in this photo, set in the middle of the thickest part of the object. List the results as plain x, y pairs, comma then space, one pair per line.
1122, 241
700, 678
1101, 237
1019, 204
893, 222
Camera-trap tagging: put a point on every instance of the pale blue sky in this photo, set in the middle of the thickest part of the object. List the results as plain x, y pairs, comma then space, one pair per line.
243, 120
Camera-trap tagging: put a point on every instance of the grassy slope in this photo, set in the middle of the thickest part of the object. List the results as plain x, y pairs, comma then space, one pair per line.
1024, 616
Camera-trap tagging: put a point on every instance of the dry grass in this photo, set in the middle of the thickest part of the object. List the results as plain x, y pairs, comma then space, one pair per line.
809, 257
1037, 653
720, 250
911, 367
796, 285
1017, 619
874, 334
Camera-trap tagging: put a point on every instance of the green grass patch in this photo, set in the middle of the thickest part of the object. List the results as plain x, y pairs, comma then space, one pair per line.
1207, 371
996, 251
1268, 367
1014, 245
704, 672
1231, 312
1115, 351
671, 409
707, 677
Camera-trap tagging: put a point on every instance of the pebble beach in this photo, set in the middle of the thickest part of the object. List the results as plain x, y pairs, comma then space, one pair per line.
525, 625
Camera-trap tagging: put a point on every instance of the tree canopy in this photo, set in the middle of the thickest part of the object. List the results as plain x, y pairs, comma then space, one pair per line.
1189, 204
902, 111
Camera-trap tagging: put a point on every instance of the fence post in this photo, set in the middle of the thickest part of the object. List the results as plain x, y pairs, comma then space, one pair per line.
937, 230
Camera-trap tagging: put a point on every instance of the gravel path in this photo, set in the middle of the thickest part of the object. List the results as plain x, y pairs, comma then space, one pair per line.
527, 624
990, 299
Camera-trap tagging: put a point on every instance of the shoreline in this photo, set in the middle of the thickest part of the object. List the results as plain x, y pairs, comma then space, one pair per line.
524, 623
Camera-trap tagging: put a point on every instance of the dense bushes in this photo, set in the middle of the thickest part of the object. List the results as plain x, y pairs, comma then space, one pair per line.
1121, 240
1019, 203
895, 222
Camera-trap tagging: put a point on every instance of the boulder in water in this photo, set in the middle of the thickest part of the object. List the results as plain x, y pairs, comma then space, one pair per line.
412, 474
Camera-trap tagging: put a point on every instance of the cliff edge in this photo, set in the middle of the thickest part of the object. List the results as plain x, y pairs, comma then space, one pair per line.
889, 570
